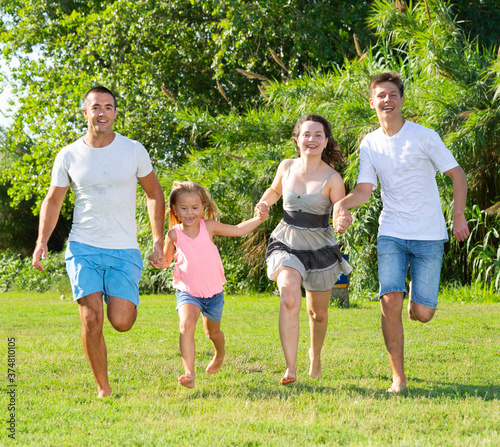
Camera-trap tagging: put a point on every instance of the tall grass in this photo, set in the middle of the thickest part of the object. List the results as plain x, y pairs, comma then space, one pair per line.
452, 365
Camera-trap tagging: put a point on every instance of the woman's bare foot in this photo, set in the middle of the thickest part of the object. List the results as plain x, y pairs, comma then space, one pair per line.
216, 364
289, 377
315, 368
187, 380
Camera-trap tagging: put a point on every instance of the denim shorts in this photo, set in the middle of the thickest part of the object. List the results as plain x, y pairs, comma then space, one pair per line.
113, 272
425, 259
210, 307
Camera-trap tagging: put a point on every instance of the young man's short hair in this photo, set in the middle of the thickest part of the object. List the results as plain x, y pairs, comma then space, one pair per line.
390, 76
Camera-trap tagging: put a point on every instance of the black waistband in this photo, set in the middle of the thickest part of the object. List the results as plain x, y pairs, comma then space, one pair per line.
306, 220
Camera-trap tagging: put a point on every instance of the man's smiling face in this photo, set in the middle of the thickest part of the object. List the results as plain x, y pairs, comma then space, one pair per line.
100, 112
387, 101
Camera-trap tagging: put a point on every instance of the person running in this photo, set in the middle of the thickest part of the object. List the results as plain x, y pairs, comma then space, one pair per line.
302, 249
102, 255
412, 230
198, 271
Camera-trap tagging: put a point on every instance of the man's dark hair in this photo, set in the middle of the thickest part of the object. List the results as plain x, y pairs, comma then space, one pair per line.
100, 89
390, 76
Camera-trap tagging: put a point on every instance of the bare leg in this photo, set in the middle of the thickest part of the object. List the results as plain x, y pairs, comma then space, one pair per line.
92, 317
317, 307
216, 336
418, 312
188, 316
392, 329
289, 281
121, 313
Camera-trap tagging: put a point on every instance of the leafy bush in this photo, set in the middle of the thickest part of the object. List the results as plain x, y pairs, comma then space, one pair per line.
17, 273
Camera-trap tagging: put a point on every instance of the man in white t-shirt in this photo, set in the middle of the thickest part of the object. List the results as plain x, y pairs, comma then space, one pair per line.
102, 256
412, 230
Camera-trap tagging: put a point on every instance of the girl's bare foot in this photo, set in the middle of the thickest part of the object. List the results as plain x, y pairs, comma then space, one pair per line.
215, 365
187, 380
315, 368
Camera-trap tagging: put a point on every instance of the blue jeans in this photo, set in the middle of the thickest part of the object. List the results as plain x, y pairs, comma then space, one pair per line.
424, 258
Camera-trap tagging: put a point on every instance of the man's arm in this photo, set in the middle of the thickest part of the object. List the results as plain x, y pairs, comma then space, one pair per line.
460, 228
359, 195
49, 215
156, 210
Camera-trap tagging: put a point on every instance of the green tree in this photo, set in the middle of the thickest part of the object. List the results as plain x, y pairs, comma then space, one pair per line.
157, 57
452, 86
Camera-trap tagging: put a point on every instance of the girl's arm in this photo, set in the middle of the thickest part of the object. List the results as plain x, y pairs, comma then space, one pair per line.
168, 252
219, 229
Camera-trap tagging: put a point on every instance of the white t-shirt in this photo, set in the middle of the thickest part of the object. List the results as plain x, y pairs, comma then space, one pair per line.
104, 181
406, 165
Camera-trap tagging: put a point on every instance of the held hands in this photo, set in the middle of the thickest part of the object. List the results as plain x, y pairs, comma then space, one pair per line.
157, 258
341, 218
262, 211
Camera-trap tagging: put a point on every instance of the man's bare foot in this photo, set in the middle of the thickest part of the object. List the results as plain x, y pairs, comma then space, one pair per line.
397, 386
187, 380
289, 377
103, 392
410, 312
315, 368
215, 365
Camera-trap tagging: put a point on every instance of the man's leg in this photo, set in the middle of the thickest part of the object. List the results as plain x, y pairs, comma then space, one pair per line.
92, 317
392, 329
317, 308
121, 313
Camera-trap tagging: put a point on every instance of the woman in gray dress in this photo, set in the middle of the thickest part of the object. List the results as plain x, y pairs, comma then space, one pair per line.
302, 249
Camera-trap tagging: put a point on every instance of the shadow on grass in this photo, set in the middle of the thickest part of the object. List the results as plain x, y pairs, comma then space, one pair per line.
417, 389
435, 389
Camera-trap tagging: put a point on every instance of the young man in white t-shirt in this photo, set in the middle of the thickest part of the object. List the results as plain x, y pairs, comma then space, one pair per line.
412, 230
102, 256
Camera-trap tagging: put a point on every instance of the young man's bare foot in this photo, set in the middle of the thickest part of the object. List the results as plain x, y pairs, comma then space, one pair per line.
187, 380
289, 377
315, 368
215, 365
410, 312
397, 386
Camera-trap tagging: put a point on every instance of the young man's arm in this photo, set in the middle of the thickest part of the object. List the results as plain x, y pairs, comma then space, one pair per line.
359, 195
460, 228
49, 215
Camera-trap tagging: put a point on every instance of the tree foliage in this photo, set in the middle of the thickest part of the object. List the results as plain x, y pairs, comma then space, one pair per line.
451, 86
157, 57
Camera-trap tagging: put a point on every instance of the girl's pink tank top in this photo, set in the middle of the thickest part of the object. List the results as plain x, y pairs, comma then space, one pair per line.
198, 266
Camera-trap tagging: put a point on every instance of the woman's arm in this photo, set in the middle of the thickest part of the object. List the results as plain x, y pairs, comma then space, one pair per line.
274, 192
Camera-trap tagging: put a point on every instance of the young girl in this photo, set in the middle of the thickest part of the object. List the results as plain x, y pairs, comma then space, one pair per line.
302, 249
198, 273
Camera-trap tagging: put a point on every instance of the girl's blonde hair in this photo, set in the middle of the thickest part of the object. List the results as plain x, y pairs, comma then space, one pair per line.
211, 211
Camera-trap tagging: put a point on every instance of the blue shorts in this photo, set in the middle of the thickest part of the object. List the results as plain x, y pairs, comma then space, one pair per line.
113, 272
210, 307
425, 259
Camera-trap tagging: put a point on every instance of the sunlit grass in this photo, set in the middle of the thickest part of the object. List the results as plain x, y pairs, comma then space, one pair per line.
452, 364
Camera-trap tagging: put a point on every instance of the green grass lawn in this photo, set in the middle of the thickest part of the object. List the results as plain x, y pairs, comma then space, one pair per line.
452, 364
